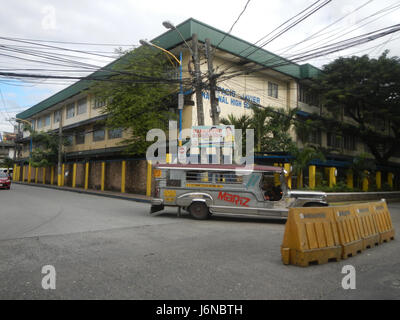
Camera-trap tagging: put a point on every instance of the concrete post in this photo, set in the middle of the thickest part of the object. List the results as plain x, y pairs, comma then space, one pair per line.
332, 177
350, 179
148, 182
288, 175
123, 176
378, 178
390, 179
103, 174
311, 176
365, 182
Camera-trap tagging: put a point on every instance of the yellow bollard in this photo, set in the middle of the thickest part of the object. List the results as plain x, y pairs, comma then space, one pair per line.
168, 158
332, 176
74, 175
52, 176
123, 176
87, 175
288, 175
378, 178
350, 179
14, 172
390, 179
103, 172
44, 176
277, 182
311, 177
29, 173
23, 173
148, 182
63, 175
365, 182
36, 175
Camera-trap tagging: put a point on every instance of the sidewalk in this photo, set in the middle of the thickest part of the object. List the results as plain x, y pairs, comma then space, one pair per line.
109, 194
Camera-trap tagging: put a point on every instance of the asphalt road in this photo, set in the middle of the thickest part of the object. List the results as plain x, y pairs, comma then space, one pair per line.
105, 248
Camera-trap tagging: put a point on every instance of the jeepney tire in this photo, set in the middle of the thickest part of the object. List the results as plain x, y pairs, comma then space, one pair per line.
199, 211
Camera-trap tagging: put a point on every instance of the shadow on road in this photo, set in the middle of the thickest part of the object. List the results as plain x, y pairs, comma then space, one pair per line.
221, 218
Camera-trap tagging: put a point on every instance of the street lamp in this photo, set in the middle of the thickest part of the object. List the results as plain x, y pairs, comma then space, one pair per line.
180, 96
169, 25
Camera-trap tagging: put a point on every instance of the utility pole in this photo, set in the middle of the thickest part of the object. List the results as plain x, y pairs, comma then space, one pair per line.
212, 79
60, 144
198, 82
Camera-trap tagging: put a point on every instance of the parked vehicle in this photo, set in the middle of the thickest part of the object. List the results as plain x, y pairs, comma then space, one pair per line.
5, 180
204, 189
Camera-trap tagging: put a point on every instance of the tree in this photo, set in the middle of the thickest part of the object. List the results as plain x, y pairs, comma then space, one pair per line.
243, 122
7, 163
271, 127
138, 95
45, 152
302, 159
368, 92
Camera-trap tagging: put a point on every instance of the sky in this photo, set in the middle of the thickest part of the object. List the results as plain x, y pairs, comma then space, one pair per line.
122, 23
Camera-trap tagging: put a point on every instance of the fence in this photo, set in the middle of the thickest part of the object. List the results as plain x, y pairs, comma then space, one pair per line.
131, 176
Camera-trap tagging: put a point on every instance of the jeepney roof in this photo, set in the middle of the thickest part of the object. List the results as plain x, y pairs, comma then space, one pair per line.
219, 167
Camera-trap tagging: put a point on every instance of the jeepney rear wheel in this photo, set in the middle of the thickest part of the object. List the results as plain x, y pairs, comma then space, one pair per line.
199, 211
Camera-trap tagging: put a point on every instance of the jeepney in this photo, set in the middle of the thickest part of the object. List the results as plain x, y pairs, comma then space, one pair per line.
204, 189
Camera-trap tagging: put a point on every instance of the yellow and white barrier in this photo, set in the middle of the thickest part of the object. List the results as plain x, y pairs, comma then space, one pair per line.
318, 235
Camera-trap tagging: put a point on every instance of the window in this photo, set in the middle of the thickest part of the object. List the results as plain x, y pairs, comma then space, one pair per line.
334, 140
315, 137
70, 110
98, 103
114, 133
57, 115
47, 121
272, 89
349, 142
307, 97
33, 122
80, 137
98, 134
69, 139
39, 123
82, 106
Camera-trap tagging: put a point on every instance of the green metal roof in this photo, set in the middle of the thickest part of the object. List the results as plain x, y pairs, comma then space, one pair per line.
171, 39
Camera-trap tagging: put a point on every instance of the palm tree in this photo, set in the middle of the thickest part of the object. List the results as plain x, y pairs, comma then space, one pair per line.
243, 122
302, 159
260, 125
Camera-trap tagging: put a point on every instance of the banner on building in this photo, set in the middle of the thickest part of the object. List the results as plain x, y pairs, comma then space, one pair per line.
213, 136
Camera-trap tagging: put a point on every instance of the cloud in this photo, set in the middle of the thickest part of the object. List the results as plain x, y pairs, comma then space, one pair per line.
128, 21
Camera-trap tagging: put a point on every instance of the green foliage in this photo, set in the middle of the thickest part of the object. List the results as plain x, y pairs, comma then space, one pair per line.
243, 122
7, 163
45, 151
136, 100
271, 128
366, 90
303, 157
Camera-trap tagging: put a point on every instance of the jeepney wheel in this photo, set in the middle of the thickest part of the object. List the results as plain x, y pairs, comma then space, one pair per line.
199, 211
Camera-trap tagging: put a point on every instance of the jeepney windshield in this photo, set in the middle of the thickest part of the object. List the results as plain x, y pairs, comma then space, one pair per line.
272, 191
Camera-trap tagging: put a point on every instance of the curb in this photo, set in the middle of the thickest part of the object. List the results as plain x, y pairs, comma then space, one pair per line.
114, 196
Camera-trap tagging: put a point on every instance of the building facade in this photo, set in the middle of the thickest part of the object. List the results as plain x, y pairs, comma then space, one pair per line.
281, 86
